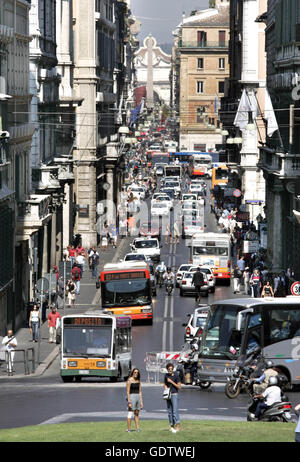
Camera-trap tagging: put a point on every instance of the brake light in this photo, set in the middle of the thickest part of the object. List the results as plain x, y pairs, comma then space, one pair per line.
200, 331
188, 331
285, 406
228, 263
183, 282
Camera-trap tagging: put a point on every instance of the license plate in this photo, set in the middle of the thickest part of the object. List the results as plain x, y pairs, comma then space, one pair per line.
84, 372
220, 275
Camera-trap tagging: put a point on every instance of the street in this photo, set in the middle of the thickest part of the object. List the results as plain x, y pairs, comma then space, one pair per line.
46, 399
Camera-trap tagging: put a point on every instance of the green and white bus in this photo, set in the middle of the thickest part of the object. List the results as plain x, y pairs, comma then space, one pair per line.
95, 345
235, 327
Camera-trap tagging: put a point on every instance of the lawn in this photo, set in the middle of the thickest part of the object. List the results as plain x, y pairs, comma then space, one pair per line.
154, 432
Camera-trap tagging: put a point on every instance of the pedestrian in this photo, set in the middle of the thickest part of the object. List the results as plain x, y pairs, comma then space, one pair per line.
34, 322
53, 317
79, 250
72, 254
131, 225
76, 274
297, 431
246, 278
10, 343
94, 263
176, 233
241, 263
237, 274
172, 381
168, 234
71, 290
60, 293
255, 284
134, 399
81, 260
198, 282
267, 290
104, 241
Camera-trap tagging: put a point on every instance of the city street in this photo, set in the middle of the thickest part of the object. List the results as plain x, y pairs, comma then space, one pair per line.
46, 399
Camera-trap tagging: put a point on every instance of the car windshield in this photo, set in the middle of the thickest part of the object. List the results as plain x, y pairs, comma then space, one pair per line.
189, 196
135, 257
163, 198
126, 293
184, 268
150, 244
159, 205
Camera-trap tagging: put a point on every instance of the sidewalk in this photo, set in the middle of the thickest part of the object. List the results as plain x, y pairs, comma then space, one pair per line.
47, 352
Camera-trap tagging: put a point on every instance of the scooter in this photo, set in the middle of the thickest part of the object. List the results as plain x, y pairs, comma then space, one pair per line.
169, 286
278, 412
185, 369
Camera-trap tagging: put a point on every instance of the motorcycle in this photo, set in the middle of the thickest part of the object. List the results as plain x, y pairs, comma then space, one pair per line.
169, 286
278, 412
160, 278
185, 369
240, 379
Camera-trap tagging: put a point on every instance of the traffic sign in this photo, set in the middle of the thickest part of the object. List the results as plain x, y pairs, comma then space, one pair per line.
295, 288
237, 193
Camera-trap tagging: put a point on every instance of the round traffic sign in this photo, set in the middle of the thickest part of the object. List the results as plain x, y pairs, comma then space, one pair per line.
237, 193
295, 288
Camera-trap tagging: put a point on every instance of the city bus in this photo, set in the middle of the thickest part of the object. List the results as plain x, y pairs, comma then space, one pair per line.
219, 175
236, 327
95, 345
214, 250
183, 158
126, 289
200, 164
155, 157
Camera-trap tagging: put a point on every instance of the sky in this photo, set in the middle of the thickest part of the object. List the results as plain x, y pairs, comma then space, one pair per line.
160, 17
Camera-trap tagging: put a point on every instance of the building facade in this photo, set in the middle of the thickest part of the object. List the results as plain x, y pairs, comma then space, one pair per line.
201, 50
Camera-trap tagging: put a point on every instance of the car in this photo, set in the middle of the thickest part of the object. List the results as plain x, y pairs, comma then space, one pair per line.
192, 226
137, 191
135, 257
209, 275
163, 198
194, 326
180, 271
159, 170
173, 184
186, 286
160, 209
150, 228
148, 246
189, 197
196, 189
191, 205
171, 192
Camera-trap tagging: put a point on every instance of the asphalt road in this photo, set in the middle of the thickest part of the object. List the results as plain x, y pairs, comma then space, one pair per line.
47, 399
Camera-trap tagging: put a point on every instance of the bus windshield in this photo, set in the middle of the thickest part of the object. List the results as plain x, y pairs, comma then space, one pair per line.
218, 339
126, 293
221, 174
223, 251
203, 161
87, 341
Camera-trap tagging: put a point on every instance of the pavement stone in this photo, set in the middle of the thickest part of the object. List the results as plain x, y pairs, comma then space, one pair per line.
45, 352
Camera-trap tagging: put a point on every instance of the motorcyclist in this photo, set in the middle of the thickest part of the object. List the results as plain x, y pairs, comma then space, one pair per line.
193, 358
161, 268
261, 383
271, 395
169, 276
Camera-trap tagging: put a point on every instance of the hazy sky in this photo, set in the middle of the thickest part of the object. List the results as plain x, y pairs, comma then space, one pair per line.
160, 17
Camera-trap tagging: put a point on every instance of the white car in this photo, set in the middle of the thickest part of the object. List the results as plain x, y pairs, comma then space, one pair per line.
163, 198
173, 184
160, 209
209, 275
136, 257
182, 268
192, 226
147, 246
186, 286
196, 322
137, 191
191, 205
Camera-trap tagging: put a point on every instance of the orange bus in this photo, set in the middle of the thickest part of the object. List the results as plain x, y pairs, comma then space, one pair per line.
126, 289
219, 175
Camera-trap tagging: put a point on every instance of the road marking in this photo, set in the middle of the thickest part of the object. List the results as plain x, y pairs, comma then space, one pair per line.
172, 323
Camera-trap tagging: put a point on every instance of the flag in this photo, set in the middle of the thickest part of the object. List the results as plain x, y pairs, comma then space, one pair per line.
270, 115
247, 104
136, 112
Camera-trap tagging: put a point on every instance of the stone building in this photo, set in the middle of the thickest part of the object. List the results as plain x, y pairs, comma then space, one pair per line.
201, 46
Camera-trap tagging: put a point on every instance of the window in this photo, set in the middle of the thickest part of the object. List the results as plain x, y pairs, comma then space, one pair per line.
221, 63
200, 113
222, 35
200, 63
221, 87
201, 38
200, 86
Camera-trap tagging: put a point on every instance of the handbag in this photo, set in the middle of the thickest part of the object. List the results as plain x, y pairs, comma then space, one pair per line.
167, 393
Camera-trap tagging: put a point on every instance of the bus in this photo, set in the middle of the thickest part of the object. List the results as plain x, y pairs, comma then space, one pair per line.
126, 289
173, 170
183, 158
236, 327
155, 157
200, 164
95, 345
214, 250
219, 176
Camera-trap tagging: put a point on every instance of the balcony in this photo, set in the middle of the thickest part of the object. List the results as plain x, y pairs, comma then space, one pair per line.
33, 213
282, 165
203, 45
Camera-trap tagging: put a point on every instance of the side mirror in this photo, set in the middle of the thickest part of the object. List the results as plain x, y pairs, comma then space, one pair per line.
184, 325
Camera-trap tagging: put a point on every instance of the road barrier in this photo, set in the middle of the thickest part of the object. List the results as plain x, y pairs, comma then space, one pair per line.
156, 364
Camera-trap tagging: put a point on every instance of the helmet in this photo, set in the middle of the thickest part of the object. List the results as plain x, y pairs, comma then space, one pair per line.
273, 381
169, 268
269, 364
194, 346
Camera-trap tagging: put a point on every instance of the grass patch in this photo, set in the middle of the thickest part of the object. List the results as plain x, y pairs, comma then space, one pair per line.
153, 432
